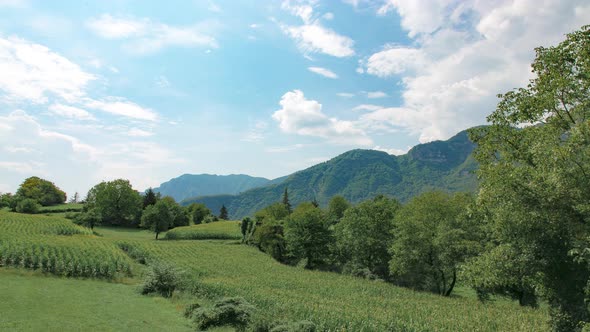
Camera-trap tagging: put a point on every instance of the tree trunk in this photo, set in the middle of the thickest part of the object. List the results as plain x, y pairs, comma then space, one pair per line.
448, 292
157, 233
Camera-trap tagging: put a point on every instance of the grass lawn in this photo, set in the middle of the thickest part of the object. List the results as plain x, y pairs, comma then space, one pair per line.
219, 230
33, 302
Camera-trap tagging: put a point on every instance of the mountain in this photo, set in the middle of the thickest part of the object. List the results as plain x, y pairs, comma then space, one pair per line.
192, 185
361, 174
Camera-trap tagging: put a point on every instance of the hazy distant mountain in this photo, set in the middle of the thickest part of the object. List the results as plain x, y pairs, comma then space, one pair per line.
192, 185
361, 174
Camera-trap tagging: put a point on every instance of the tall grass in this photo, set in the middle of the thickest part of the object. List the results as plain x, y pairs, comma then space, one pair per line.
219, 230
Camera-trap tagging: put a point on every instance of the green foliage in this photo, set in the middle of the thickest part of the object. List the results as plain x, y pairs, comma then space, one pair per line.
235, 312
28, 205
285, 200
157, 218
223, 213
198, 212
433, 236
6, 200
210, 218
269, 238
307, 236
223, 230
364, 235
88, 219
336, 208
180, 215
276, 211
116, 202
150, 198
40, 190
244, 226
162, 279
535, 179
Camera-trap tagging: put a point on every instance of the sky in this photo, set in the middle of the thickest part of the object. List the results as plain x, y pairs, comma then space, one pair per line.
93, 91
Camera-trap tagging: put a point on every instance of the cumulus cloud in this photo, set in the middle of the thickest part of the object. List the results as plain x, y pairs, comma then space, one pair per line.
312, 36
33, 73
302, 116
463, 55
323, 71
146, 36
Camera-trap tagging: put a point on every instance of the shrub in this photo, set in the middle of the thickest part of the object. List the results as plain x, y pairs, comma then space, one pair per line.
28, 205
235, 312
162, 279
210, 218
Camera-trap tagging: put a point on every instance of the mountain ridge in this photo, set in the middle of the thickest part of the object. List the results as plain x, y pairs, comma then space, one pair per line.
361, 174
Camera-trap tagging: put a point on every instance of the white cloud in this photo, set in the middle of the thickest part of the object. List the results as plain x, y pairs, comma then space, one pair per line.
345, 94
465, 54
312, 36
328, 16
376, 94
145, 36
392, 151
301, 116
256, 132
33, 73
71, 112
395, 60
122, 107
322, 71
367, 107
136, 132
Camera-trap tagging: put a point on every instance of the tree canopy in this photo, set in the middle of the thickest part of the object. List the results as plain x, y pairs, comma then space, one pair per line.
43, 191
535, 176
116, 202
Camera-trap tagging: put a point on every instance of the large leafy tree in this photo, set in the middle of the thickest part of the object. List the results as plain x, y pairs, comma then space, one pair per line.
116, 202
363, 237
180, 215
535, 176
158, 217
433, 236
43, 191
198, 212
307, 235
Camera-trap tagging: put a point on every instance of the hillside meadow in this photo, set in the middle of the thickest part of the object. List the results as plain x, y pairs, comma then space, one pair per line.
217, 268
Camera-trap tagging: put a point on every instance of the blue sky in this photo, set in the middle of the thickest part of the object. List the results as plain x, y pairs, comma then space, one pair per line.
149, 90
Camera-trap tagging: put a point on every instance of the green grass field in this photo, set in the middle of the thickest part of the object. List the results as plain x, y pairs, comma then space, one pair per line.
32, 302
219, 230
225, 268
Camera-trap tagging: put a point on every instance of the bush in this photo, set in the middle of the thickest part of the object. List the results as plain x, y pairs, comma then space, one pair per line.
235, 312
28, 205
210, 218
162, 279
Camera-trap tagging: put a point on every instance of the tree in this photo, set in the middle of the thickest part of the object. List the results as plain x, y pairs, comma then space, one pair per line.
223, 213
336, 208
89, 218
286, 200
150, 198
276, 211
535, 176
74, 199
116, 202
43, 191
180, 215
433, 236
244, 226
27, 205
307, 235
198, 212
157, 217
364, 235
6, 200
